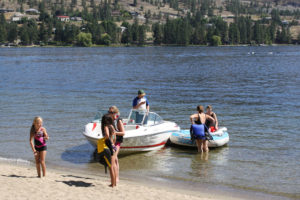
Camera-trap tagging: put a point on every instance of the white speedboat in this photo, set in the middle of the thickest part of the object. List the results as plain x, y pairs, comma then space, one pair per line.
144, 131
183, 138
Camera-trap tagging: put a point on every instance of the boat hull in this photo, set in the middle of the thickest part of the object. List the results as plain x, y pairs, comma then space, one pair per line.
137, 138
183, 138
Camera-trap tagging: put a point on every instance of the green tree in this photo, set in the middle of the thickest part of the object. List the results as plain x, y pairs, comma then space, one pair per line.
3, 32
43, 34
258, 33
234, 34
59, 33
275, 16
111, 29
84, 39
24, 35
134, 31
243, 29
157, 33
106, 39
183, 32
126, 35
70, 33
141, 34
199, 35
12, 32
216, 40
170, 32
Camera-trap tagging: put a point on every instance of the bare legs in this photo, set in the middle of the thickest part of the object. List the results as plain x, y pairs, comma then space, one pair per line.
202, 145
199, 145
40, 161
117, 163
205, 145
112, 171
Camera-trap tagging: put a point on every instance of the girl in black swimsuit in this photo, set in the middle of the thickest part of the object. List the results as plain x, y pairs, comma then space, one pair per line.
108, 132
212, 125
201, 118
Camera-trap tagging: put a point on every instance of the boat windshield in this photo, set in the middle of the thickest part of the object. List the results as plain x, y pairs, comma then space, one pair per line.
99, 115
142, 117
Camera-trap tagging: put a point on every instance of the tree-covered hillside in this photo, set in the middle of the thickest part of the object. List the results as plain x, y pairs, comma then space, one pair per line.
139, 22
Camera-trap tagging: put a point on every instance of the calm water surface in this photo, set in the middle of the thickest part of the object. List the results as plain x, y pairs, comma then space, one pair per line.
254, 90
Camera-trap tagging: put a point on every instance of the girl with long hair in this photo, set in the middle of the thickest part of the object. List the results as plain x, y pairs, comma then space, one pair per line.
39, 135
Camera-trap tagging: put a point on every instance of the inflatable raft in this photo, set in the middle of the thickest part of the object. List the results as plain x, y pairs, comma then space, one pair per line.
183, 138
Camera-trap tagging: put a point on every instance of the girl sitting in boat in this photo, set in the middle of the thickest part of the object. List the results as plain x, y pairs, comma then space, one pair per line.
39, 134
109, 133
198, 127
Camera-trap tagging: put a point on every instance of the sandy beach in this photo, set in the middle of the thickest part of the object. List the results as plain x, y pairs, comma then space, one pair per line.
21, 182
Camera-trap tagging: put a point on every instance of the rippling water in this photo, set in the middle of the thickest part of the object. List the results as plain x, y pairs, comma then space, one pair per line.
254, 90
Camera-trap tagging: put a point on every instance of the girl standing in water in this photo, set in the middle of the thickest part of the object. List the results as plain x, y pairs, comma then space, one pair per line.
200, 118
39, 134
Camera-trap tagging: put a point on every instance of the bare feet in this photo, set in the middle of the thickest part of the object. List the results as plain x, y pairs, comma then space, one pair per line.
111, 185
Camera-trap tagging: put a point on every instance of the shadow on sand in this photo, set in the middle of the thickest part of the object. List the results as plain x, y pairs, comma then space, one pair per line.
77, 183
18, 176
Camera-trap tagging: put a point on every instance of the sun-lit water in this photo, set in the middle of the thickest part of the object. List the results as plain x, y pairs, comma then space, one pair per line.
255, 92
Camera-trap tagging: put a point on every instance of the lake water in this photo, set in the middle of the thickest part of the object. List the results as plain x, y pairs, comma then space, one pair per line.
255, 92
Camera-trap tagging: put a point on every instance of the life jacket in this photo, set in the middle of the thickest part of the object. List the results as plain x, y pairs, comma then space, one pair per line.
115, 124
201, 130
105, 151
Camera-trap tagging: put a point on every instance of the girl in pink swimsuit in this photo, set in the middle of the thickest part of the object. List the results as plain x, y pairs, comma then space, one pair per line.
39, 148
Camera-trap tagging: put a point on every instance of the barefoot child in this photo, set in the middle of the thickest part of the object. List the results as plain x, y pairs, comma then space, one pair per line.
39, 148
109, 133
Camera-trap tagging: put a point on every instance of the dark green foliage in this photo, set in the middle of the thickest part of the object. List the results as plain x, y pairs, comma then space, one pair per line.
3, 32
195, 28
234, 34
12, 30
43, 34
141, 34
29, 33
127, 34
216, 40
157, 33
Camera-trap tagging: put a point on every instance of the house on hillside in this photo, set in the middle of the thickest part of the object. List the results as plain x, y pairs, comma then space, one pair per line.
134, 13
123, 28
63, 18
77, 19
141, 18
115, 13
32, 11
3, 10
285, 22
17, 17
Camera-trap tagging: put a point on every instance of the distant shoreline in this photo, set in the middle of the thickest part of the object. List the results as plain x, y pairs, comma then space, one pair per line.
148, 45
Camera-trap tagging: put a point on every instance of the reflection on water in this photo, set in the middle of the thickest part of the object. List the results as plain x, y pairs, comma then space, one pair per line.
80, 154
